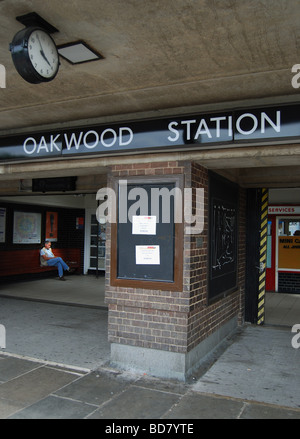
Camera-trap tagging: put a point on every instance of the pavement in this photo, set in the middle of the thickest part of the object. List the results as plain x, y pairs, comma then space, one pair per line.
56, 366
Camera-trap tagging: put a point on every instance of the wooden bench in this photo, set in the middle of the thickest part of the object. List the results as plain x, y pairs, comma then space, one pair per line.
16, 262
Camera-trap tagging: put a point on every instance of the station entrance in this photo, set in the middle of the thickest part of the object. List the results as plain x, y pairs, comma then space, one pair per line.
217, 275
78, 212
273, 258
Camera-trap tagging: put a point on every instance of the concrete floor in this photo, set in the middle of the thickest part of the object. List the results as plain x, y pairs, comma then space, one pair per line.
44, 326
261, 365
76, 290
257, 366
54, 333
282, 309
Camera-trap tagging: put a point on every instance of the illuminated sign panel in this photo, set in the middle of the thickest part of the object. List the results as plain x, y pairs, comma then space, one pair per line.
193, 132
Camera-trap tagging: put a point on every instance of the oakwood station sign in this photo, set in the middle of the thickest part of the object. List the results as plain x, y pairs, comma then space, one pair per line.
235, 128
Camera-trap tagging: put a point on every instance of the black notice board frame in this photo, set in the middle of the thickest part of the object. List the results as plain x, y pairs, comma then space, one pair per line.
168, 275
223, 237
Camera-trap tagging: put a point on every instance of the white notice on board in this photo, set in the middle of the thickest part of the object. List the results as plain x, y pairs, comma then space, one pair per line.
144, 225
147, 255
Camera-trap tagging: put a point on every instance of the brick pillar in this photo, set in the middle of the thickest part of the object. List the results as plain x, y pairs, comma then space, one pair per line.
166, 333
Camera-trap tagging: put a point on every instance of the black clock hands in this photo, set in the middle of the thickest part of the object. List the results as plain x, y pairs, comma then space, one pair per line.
44, 56
42, 51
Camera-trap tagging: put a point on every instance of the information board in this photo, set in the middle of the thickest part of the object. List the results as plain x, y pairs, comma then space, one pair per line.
27, 228
146, 241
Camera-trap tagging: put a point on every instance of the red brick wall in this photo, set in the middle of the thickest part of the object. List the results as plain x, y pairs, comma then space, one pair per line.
165, 320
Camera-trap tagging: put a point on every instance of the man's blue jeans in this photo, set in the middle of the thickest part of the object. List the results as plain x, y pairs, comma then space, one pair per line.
60, 264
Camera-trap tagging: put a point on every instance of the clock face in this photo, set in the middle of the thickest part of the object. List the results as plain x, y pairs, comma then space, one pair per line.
43, 54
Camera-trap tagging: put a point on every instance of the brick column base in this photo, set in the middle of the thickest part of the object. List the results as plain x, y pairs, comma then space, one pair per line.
167, 333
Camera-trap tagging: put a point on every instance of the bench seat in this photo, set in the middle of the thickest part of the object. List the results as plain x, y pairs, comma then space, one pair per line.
16, 262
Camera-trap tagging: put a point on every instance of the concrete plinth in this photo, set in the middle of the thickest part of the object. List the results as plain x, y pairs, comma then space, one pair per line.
165, 364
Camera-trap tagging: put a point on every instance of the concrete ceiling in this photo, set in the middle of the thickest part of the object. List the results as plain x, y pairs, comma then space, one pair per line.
160, 57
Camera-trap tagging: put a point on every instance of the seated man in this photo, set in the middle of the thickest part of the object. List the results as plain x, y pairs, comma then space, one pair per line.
48, 259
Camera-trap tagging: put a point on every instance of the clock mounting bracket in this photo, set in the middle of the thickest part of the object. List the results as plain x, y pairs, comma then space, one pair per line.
35, 20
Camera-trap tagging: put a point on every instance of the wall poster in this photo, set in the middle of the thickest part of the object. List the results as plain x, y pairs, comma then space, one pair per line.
51, 226
223, 236
289, 253
2, 224
27, 228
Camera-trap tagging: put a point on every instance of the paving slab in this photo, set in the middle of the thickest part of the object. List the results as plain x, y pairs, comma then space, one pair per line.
34, 385
55, 408
196, 406
56, 393
95, 388
137, 403
11, 367
264, 411
8, 408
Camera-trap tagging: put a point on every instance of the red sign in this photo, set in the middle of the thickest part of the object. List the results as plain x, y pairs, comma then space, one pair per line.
51, 226
283, 210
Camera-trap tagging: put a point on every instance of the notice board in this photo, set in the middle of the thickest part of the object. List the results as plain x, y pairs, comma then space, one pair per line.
145, 242
147, 249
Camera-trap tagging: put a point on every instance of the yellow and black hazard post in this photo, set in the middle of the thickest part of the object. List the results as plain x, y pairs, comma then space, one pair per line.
262, 256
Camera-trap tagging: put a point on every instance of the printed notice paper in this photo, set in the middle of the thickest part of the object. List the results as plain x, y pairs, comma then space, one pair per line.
144, 225
147, 255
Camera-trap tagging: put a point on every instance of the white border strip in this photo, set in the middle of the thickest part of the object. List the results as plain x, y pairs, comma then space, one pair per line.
46, 363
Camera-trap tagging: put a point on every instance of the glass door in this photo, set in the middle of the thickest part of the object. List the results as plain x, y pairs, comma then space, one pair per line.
97, 244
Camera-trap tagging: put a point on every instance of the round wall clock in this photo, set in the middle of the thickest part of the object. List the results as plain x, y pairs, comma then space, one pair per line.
35, 55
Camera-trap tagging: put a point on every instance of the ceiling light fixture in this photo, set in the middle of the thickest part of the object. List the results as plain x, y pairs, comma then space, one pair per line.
78, 52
